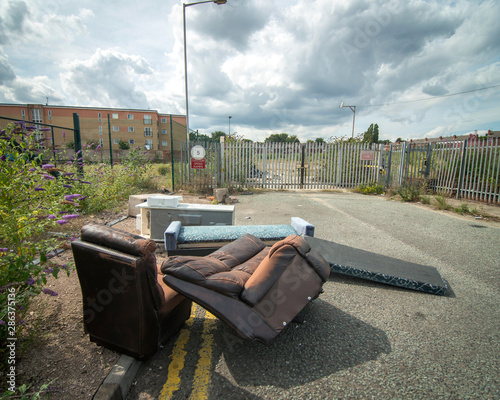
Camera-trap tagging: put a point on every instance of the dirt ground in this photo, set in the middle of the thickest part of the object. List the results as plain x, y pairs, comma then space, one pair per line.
57, 350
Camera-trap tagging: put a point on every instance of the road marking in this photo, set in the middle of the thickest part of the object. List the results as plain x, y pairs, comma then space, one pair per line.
177, 359
202, 374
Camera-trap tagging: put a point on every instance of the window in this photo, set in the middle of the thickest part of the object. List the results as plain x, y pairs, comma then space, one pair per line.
114, 116
36, 115
99, 116
50, 115
101, 142
116, 128
147, 120
116, 141
148, 132
130, 128
130, 116
149, 144
164, 143
23, 113
131, 141
164, 132
100, 130
163, 120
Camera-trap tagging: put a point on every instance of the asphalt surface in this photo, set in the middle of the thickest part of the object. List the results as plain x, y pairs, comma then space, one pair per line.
360, 339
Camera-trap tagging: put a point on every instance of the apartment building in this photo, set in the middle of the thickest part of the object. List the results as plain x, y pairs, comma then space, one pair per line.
139, 128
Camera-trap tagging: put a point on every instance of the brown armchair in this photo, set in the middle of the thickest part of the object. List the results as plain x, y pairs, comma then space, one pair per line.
256, 289
126, 305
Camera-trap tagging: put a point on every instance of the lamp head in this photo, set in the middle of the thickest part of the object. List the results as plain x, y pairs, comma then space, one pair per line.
341, 105
220, 2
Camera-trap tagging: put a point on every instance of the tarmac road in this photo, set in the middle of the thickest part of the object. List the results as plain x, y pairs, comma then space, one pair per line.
360, 339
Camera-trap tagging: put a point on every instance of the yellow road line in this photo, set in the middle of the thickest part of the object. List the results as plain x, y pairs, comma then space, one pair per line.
202, 374
177, 360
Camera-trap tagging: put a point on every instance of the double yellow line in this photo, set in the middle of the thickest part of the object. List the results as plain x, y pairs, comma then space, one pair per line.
202, 373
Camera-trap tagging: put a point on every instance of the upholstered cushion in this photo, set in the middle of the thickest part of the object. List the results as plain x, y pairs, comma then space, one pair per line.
228, 233
225, 271
118, 240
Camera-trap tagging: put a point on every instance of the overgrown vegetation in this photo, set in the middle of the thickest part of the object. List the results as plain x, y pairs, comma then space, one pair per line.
36, 197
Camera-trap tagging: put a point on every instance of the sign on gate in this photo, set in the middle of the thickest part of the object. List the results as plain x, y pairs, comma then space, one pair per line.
367, 155
198, 164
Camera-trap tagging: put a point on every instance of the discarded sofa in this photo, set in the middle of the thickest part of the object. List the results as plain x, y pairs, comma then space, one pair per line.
126, 305
203, 240
256, 289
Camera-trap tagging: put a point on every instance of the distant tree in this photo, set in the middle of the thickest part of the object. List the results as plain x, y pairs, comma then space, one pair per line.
277, 137
123, 145
399, 140
281, 138
371, 134
320, 140
217, 135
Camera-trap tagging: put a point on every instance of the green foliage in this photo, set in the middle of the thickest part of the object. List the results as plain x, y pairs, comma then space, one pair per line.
372, 188
163, 170
372, 134
123, 145
411, 192
70, 144
33, 198
281, 138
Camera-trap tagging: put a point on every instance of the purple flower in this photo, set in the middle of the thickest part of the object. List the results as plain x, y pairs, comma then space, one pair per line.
82, 198
48, 270
47, 166
3, 157
32, 169
63, 212
71, 216
68, 174
71, 197
88, 183
49, 292
64, 134
30, 281
3, 249
2, 322
62, 221
68, 186
51, 216
48, 177
39, 189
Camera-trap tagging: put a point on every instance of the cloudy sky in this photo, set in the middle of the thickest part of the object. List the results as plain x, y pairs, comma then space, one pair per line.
417, 68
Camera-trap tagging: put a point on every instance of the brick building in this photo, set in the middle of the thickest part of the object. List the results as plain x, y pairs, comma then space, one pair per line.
143, 128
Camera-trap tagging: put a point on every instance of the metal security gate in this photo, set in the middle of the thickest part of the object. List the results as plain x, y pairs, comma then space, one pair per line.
299, 166
465, 169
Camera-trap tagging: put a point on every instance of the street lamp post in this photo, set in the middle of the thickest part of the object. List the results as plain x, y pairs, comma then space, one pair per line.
184, 6
353, 109
229, 130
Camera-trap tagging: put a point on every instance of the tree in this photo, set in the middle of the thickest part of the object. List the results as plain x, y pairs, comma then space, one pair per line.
281, 138
320, 140
371, 134
217, 135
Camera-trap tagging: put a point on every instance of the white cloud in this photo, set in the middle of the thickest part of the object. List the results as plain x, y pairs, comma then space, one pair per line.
274, 65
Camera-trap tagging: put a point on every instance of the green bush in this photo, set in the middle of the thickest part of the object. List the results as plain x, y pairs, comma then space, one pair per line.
33, 198
411, 192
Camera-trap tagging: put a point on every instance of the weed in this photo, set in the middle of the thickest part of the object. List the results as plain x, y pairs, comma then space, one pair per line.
371, 188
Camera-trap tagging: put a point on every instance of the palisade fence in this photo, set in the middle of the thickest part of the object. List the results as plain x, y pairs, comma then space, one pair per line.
464, 169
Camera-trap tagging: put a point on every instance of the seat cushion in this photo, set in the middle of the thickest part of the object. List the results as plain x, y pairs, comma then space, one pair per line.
225, 271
